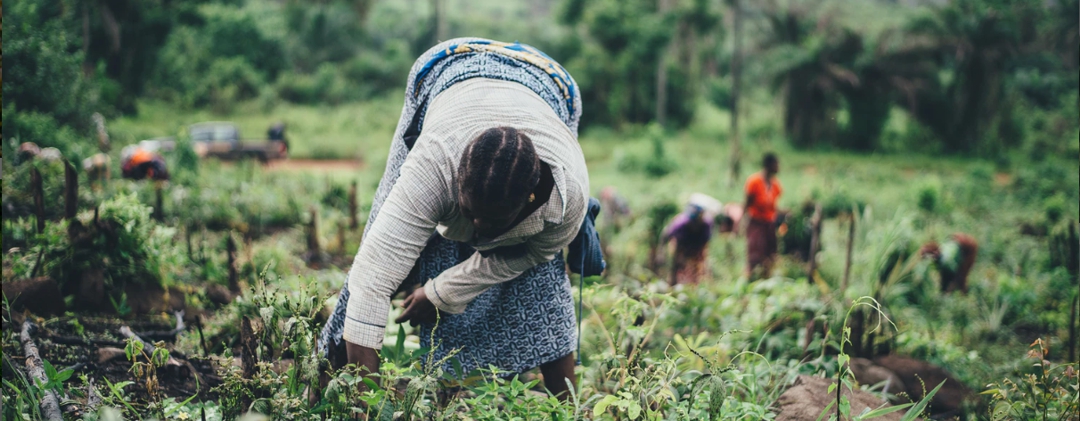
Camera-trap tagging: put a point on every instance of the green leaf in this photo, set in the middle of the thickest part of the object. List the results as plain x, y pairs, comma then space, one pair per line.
886, 410
604, 403
915, 411
845, 406
50, 371
64, 375
634, 410
371, 384
826, 410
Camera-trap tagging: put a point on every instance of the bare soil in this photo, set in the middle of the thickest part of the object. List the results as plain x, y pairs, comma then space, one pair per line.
65, 345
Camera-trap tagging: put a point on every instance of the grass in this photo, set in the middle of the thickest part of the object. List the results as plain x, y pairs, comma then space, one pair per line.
340, 132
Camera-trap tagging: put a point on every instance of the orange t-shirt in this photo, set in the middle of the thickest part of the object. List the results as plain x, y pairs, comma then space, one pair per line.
763, 207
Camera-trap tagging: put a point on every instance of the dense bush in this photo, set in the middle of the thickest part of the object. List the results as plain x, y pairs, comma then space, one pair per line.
123, 243
234, 69
622, 47
46, 98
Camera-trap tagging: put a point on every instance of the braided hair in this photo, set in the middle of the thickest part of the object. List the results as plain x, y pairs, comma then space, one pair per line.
499, 168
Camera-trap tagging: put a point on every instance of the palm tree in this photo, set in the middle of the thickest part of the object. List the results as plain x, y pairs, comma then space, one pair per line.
810, 63
974, 41
890, 73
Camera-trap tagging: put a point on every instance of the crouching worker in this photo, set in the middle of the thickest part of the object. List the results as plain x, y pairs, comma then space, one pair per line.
138, 163
953, 259
484, 186
97, 168
691, 231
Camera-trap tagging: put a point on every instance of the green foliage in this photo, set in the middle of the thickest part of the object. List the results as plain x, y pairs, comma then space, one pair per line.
46, 98
192, 75
326, 85
18, 197
840, 202
331, 31
43, 73
1039, 389
655, 164
1055, 207
976, 108
622, 47
929, 197
123, 244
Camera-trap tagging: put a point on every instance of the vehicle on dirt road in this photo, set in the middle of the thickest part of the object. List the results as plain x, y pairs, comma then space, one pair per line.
221, 139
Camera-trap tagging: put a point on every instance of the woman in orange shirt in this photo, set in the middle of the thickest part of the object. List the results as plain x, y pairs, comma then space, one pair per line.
762, 190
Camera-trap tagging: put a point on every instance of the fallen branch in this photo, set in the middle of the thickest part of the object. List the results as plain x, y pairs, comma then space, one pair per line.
108, 354
75, 367
93, 399
148, 348
74, 340
166, 335
50, 404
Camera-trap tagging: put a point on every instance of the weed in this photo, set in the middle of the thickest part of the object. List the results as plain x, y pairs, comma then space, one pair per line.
1042, 390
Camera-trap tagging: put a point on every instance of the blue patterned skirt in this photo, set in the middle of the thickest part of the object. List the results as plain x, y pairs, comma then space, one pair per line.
519, 324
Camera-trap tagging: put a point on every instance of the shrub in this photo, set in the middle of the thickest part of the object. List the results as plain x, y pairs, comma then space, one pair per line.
372, 73
228, 81
325, 86
929, 197
1041, 390
43, 73
123, 242
224, 59
1054, 207
841, 202
46, 131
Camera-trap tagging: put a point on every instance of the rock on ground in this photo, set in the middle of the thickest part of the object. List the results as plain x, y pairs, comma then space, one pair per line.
808, 397
949, 400
39, 296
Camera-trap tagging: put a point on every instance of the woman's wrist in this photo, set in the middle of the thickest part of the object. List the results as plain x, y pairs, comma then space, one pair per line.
362, 356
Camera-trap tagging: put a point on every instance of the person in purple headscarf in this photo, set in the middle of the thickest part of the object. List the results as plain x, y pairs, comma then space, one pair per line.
691, 231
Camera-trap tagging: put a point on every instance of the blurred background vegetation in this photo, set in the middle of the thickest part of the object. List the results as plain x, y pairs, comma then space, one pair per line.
915, 118
972, 77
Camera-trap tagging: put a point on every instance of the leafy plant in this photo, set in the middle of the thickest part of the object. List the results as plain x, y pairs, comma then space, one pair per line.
1042, 390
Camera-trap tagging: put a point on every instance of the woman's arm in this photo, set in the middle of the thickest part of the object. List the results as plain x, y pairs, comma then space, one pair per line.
391, 246
455, 288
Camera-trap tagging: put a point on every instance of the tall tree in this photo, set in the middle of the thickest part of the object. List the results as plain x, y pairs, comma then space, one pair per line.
736, 88
664, 7
809, 61
974, 41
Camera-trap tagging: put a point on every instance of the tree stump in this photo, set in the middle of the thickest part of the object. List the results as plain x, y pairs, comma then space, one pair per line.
354, 219
71, 191
39, 199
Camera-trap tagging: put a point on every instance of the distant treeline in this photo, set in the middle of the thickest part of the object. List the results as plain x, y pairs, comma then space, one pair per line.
971, 76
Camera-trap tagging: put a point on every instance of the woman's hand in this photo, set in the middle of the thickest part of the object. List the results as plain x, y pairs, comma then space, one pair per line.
368, 360
364, 357
418, 309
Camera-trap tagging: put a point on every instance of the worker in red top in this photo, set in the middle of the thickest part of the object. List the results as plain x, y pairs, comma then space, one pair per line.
762, 190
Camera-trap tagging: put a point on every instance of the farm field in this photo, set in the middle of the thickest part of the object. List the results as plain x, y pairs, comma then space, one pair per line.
928, 263
752, 337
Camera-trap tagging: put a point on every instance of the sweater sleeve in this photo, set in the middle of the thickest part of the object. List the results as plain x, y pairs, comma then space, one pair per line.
418, 200
454, 289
